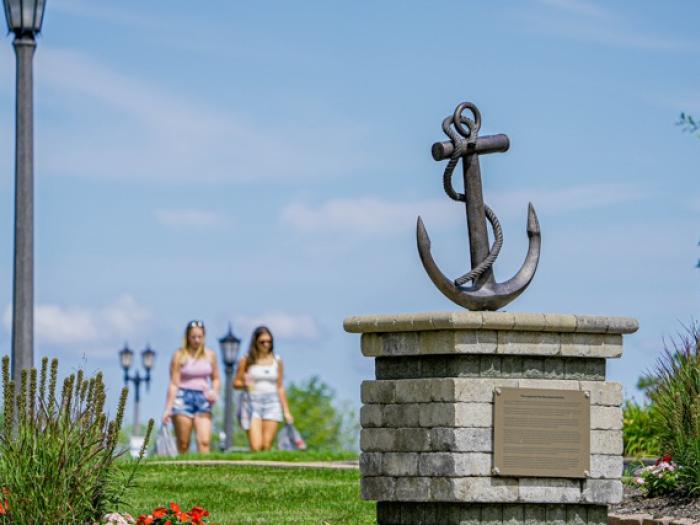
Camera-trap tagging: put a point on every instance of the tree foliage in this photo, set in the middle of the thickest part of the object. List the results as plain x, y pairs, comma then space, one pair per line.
322, 422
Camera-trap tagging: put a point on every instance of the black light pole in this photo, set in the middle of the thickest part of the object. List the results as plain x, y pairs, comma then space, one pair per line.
24, 18
126, 357
229, 353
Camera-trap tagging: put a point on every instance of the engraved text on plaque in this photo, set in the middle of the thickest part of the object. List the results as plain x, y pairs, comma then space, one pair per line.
541, 433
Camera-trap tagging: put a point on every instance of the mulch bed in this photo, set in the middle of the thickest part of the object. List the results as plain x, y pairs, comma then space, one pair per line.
675, 506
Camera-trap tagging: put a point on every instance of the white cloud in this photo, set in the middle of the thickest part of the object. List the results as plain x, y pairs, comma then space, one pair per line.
375, 216
80, 326
365, 215
190, 218
283, 325
156, 133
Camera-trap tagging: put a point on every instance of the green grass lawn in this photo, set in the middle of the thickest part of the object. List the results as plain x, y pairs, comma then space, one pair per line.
254, 495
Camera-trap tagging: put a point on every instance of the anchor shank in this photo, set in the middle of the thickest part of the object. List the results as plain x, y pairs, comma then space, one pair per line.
476, 217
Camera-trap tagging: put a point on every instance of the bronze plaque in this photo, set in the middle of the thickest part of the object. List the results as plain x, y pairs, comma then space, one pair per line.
541, 433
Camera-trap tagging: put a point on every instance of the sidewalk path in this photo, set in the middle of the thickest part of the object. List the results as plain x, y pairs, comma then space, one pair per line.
335, 465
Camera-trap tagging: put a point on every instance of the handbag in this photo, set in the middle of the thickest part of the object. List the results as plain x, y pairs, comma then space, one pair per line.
165, 443
290, 439
243, 411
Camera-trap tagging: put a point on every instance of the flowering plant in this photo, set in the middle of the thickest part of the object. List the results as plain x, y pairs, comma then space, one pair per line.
174, 515
115, 518
659, 479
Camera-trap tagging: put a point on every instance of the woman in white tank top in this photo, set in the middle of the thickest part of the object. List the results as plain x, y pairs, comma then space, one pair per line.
261, 373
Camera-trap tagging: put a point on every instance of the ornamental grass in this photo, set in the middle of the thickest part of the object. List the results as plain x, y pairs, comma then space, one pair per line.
57, 453
676, 401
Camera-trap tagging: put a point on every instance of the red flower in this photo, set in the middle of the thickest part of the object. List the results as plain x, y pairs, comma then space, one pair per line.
144, 520
2, 509
198, 513
666, 458
174, 506
160, 512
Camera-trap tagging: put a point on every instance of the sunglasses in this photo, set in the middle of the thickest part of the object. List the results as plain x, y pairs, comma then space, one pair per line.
195, 324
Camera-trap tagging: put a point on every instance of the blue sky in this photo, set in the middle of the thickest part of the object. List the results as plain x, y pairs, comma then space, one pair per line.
266, 161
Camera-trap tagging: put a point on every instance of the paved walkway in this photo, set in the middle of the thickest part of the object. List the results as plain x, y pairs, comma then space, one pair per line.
335, 465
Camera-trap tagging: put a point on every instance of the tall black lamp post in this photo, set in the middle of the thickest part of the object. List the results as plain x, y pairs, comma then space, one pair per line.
24, 19
126, 357
229, 353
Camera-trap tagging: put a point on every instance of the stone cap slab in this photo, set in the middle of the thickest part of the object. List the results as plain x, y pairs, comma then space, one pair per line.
502, 321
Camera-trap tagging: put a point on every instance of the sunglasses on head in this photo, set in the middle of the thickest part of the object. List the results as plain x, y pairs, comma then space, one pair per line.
195, 324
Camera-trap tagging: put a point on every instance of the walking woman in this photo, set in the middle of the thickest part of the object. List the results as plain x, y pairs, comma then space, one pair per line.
260, 373
194, 388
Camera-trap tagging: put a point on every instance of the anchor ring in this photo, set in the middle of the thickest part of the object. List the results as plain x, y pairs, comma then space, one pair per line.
473, 125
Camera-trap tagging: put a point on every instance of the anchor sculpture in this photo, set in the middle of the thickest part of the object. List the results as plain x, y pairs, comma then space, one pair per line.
484, 293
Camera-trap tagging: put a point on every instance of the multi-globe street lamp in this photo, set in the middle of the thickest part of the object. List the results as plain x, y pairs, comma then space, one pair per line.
126, 358
24, 18
230, 345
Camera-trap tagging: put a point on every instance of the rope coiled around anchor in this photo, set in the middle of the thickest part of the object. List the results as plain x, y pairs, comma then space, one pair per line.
461, 146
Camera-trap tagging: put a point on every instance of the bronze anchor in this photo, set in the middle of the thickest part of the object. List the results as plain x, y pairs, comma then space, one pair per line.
484, 293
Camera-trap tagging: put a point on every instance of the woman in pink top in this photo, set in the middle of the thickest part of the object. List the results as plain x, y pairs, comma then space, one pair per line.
194, 388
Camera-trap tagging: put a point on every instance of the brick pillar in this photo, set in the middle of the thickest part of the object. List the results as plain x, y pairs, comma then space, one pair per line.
427, 418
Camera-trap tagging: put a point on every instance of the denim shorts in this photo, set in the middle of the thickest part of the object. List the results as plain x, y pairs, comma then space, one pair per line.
190, 403
261, 406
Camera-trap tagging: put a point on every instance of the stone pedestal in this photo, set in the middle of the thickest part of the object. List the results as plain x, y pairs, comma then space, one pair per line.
427, 418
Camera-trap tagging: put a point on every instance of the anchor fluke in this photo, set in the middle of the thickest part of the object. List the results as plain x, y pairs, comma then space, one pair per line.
484, 293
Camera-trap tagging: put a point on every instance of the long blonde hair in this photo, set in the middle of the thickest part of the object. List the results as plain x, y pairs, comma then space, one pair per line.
185, 352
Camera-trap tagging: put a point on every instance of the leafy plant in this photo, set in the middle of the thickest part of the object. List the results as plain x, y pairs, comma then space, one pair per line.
322, 424
639, 430
676, 400
660, 479
57, 454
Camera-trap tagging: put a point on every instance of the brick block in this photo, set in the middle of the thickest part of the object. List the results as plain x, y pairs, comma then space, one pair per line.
604, 392
597, 514
371, 463
607, 467
602, 491
462, 439
473, 415
437, 414
576, 515
462, 366
413, 390
606, 442
535, 514
412, 489
634, 519
449, 464
553, 368
529, 343
513, 514
400, 464
591, 345
378, 439
412, 440
549, 490
378, 488
371, 416
401, 415
606, 418
378, 392
556, 514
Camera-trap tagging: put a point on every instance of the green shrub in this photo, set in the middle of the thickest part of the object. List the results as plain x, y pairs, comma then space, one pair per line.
658, 480
640, 430
57, 454
676, 400
322, 423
